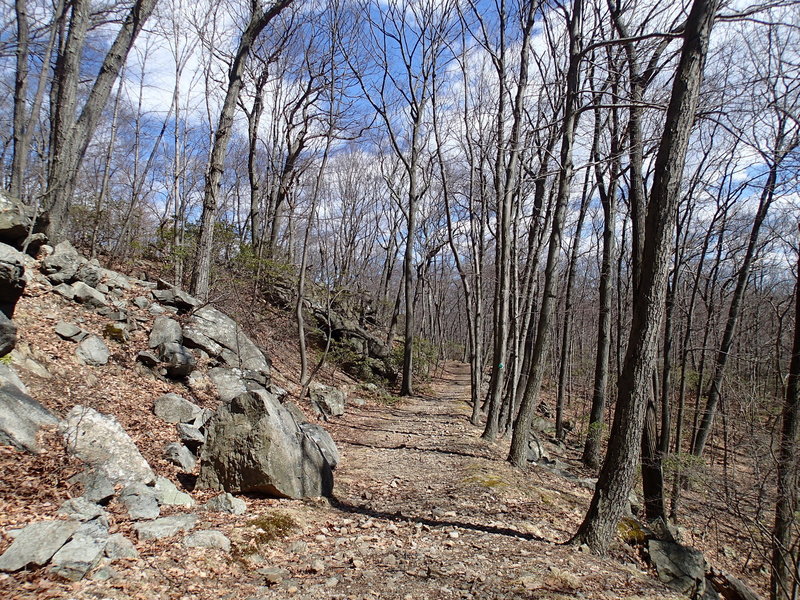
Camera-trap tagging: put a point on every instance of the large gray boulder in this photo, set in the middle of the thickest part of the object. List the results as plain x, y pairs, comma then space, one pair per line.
36, 544
254, 445
327, 401
229, 382
221, 337
15, 220
78, 556
176, 409
101, 442
85, 294
164, 527
165, 330
680, 567
21, 416
180, 455
63, 264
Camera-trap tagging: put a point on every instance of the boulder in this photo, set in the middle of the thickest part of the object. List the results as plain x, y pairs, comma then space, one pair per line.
85, 294
178, 360
101, 442
147, 358
180, 455
226, 503
63, 264
254, 445
165, 330
118, 546
97, 487
221, 337
164, 527
324, 441
12, 278
229, 382
21, 417
207, 538
168, 294
168, 494
65, 291
78, 556
680, 567
327, 401
8, 334
175, 409
81, 509
89, 273
36, 544
191, 436
93, 351
70, 331
141, 501
15, 220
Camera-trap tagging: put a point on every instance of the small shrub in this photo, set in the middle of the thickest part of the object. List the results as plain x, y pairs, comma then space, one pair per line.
272, 526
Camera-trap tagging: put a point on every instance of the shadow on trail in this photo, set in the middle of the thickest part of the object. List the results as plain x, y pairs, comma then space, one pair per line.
418, 449
398, 517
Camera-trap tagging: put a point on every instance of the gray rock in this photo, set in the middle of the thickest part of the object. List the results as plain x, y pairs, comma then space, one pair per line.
254, 445
8, 334
203, 418
229, 382
168, 294
15, 220
141, 501
118, 546
70, 331
12, 278
177, 359
36, 544
63, 264
97, 488
89, 273
95, 528
141, 302
175, 409
21, 417
536, 451
93, 351
326, 400
169, 495
207, 538
81, 509
9, 375
65, 290
324, 442
191, 436
164, 527
294, 410
221, 337
101, 442
85, 294
680, 567
226, 503
180, 455
77, 557
165, 330
156, 309
147, 358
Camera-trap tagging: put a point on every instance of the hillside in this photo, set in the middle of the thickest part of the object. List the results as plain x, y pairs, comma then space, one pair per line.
421, 506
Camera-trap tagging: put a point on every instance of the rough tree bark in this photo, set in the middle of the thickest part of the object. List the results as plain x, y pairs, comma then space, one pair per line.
619, 467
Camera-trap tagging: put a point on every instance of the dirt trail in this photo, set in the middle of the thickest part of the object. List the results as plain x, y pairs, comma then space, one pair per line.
424, 508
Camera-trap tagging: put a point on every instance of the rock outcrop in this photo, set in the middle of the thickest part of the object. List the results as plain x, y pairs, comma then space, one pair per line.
254, 445
101, 442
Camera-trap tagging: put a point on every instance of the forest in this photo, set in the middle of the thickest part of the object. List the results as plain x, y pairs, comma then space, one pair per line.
592, 203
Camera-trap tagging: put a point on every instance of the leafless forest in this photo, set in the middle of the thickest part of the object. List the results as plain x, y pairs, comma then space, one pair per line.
593, 203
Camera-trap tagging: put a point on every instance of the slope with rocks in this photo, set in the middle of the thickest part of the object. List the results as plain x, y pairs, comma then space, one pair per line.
421, 507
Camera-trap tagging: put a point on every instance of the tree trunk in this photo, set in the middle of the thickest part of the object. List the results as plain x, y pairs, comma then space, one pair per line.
619, 467
784, 569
